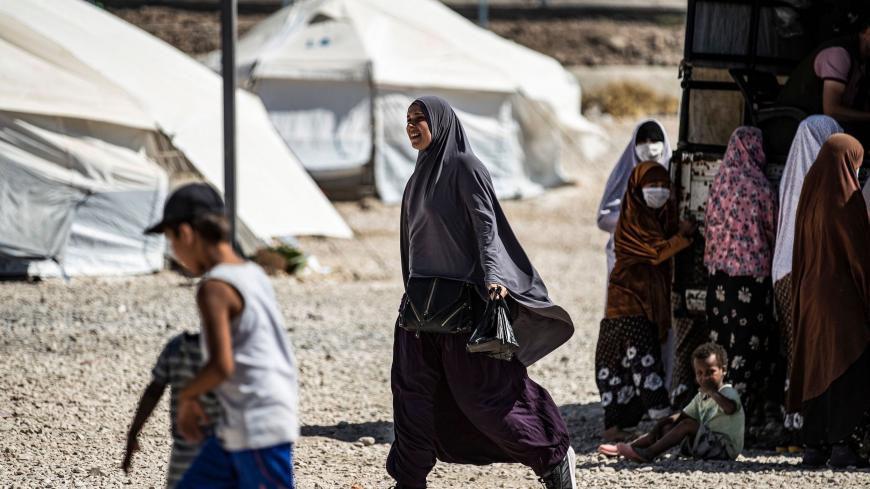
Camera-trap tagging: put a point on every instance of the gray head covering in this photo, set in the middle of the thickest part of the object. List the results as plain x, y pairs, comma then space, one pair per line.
452, 226
811, 135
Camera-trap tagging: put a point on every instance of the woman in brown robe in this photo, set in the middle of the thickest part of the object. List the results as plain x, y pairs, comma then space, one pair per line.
830, 377
628, 363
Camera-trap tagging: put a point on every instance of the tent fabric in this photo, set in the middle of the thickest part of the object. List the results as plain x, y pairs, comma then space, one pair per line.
75, 205
30, 83
521, 108
183, 100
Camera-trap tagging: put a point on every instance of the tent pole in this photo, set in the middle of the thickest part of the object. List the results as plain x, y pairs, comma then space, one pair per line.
483, 13
228, 70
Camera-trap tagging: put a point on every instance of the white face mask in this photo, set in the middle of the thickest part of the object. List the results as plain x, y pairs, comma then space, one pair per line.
650, 151
656, 198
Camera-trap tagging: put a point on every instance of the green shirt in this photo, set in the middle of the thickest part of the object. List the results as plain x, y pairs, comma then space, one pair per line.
707, 412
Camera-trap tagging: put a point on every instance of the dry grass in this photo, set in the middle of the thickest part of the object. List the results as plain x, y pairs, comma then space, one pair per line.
629, 99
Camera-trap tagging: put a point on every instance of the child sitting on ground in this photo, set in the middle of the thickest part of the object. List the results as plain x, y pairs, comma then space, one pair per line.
177, 364
709, 428
249, 362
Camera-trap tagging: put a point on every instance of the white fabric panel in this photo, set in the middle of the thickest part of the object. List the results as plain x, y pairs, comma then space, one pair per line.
31, 84
183, 97
323, 50
76, 199
36, 206
492, 132
328, 124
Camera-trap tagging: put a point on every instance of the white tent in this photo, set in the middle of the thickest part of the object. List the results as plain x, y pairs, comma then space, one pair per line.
73, 201
76, 185
170, 92
338, 75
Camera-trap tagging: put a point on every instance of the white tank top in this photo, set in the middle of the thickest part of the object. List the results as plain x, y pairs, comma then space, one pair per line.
260, 399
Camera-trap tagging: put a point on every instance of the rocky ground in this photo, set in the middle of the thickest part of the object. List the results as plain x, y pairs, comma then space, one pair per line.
573, 41
74, 358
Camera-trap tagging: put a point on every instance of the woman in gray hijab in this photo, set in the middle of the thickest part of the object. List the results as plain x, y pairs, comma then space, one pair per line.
449, 404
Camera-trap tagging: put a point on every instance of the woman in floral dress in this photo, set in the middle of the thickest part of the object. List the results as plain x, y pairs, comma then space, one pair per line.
740, 236
628, 363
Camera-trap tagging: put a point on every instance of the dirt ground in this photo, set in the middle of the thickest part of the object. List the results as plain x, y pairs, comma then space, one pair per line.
75, 356
573, 41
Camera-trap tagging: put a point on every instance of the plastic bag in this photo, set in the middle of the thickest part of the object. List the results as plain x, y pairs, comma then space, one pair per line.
494, 335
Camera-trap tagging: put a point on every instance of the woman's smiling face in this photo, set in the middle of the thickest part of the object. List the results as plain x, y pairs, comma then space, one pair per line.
418, 128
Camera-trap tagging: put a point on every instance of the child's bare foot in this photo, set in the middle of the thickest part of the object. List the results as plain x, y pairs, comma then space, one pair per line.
608, 449
615, 435
635, 454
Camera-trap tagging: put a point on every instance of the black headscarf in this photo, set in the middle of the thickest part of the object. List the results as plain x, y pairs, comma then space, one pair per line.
452, 226
649, 131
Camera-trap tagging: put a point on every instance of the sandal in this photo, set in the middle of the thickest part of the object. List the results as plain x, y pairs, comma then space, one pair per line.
608, 449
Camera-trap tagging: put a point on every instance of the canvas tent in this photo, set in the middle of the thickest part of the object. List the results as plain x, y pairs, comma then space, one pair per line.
76, 184
338, 75
93, 113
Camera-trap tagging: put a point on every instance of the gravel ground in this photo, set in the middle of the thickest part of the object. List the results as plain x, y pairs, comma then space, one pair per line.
74, 358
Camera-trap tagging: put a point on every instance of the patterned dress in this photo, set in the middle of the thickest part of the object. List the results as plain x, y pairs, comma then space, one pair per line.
740, 318
740, 237
629, 371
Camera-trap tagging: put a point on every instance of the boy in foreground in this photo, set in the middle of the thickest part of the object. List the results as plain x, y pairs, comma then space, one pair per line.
249, 362
709, 428
177, 364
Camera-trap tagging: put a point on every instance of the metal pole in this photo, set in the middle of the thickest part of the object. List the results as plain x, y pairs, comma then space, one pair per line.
483, 13
228, 70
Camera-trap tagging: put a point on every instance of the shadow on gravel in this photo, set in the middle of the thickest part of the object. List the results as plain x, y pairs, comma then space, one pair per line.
684, 465
381, 431
585, 423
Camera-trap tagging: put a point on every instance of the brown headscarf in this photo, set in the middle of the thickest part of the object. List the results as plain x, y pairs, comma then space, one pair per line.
830, 272
644, 241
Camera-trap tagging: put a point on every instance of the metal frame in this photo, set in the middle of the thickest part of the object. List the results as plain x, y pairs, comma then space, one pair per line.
750, 59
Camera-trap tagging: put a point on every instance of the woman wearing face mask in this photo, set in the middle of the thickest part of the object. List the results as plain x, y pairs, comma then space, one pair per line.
648, 143
740, 235
628, 364
449, 404
830, 374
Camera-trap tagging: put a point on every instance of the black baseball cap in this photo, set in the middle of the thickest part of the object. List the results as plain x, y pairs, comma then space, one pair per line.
187, 203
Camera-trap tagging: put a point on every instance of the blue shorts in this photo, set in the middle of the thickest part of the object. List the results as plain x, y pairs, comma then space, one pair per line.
216, 468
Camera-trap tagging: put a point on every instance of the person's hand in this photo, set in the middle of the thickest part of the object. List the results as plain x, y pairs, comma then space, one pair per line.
688, 227
191, 417
708, 387
132, 447
500, 291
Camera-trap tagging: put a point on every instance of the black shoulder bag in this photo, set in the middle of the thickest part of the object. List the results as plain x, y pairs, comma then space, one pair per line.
437, 305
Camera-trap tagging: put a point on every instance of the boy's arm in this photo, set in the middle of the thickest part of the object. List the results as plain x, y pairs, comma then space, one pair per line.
218, 303
728, 405
146, 406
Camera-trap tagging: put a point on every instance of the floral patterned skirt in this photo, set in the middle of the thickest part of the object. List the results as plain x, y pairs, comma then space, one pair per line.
783, 296
629, 371
740, 318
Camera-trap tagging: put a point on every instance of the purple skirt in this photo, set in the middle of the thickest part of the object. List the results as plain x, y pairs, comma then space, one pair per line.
467, 408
